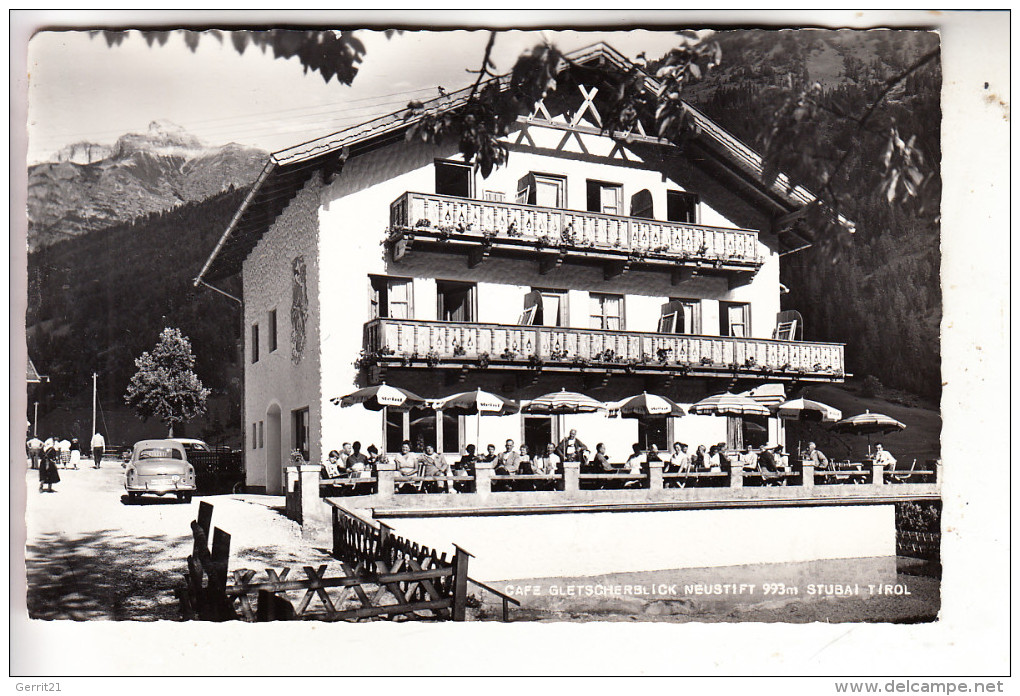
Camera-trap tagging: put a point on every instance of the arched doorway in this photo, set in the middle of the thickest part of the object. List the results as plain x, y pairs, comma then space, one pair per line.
274, 451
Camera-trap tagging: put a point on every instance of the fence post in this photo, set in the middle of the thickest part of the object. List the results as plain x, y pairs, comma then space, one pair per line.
221, 604
386, 471
312, 516
483, 478
736, 473
808, 480
877, 474
654, 475
572, 477
460, 579
336, 533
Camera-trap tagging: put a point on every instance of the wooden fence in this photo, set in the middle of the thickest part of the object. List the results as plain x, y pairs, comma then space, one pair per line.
383, 575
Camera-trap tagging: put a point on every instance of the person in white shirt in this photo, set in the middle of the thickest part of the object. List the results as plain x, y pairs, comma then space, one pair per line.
64, 448
35, 448
98, 447
884, 457
548, 463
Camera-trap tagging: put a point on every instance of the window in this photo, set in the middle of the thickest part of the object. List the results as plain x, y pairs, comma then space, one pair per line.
607, 312
538, 432
254, 435
254, 343
605, 198
453, 179
681, 316
641, 205
734, 319
494, 196
456, 300
544, 308
262, 433
272, 330
547, 190
300, 420
422, 426
681, 207
391, 298
755, 431
652, 431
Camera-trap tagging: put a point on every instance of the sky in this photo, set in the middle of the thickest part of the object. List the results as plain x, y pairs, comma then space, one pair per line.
80, 89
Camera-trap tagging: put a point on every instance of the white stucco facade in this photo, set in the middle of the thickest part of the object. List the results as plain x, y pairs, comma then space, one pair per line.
339, 230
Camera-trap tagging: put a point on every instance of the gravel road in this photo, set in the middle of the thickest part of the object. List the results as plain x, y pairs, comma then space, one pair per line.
91, 555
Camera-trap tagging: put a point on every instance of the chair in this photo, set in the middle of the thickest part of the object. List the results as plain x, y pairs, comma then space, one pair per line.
903, 476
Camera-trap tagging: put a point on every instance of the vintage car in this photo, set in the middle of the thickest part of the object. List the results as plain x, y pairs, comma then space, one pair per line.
159, 467
191, 445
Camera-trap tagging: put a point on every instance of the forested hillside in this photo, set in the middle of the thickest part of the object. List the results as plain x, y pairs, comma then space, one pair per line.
97, 301
882, 295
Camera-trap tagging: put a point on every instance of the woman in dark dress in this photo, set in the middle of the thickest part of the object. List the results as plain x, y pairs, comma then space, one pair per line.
48, 468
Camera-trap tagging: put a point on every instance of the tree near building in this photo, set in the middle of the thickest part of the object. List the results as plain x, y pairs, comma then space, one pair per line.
165, 385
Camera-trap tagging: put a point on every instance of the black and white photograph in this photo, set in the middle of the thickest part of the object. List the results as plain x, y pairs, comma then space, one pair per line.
616, 343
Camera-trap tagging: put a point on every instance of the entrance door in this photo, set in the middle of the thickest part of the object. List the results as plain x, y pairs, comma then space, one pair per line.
274, 451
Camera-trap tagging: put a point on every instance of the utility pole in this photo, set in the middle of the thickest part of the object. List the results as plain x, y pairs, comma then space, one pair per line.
35, 421
94, 431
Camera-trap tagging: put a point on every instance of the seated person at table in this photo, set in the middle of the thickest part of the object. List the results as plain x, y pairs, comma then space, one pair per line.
816, 457
465, 467
714, 460
357, 463
435, 464
508, 461
636, 460
490, 454
767, 461
679, 461
884, 457
548, 463
699, 462
407, 464
331, 469
374, 458
653, 454
748, 458
571, 449
524, 462
601, 464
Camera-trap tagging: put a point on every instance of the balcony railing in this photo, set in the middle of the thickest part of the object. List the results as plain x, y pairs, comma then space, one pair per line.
411, 342
515, 227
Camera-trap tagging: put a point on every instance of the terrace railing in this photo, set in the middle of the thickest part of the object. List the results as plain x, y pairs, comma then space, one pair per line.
412, 342
490, 223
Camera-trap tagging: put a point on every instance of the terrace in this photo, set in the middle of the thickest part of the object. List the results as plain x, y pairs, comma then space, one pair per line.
462, 345
553, 236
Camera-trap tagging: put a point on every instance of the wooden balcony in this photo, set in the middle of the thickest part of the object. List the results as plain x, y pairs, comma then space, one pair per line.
438, 344
480, 229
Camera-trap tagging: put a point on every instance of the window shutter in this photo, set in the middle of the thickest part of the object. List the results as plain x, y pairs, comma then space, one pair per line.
641, 205
671, 317
526, 189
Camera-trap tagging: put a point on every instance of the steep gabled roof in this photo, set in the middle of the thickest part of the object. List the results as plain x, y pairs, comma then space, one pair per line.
287, 170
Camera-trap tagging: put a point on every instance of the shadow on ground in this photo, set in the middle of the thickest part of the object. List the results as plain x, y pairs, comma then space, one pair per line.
105, 575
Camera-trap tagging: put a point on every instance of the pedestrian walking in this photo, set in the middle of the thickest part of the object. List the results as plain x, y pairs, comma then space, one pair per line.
75, 452
35, 449
64, 450
48, 474
98, 447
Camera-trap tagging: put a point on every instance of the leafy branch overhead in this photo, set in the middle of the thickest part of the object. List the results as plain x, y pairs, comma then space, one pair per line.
794, 139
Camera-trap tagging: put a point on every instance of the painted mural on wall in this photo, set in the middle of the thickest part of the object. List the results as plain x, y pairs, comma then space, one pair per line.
298, 309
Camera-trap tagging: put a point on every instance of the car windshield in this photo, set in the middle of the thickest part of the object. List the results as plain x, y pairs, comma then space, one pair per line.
160, 453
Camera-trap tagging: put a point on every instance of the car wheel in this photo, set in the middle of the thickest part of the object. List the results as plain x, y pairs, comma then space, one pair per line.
133, 498
184, 497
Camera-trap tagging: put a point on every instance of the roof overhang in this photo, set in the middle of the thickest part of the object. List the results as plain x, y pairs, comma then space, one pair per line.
288, 170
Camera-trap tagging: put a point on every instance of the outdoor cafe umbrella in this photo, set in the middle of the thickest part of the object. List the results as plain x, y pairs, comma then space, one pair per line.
808, 410
379, 397
645, 404
564, 402
868, 423
729, 405
477, 403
